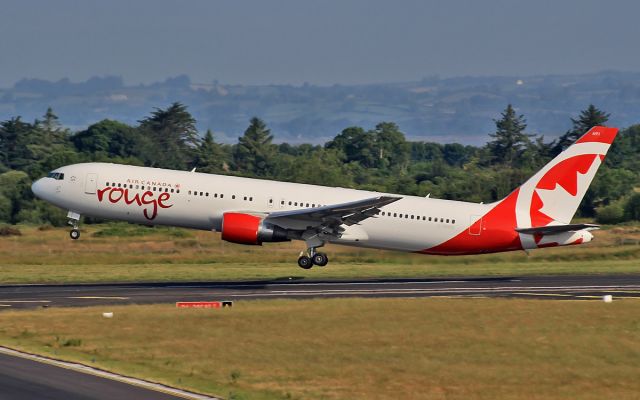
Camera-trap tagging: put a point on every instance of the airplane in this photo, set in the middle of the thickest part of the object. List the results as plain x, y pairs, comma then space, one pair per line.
253, 211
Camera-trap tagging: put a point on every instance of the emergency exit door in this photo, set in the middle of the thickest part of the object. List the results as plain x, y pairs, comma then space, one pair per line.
476, 225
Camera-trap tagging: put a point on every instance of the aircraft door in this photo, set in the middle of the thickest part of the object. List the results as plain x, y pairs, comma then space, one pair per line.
90, 183
476, 225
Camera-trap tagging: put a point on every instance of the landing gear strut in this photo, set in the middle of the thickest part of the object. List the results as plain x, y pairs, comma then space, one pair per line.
74, 219
306, 261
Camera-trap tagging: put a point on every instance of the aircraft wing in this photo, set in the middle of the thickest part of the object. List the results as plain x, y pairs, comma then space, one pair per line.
557, 229
330, 216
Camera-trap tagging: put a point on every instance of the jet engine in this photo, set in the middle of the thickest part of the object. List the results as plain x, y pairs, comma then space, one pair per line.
250, 229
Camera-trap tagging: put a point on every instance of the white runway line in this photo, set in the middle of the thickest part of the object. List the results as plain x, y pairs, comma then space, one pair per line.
25, 301
99, 297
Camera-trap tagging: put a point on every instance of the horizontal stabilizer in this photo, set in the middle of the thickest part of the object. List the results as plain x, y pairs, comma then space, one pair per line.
545, 230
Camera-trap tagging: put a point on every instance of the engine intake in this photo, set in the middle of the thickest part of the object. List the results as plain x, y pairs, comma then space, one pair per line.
250, 229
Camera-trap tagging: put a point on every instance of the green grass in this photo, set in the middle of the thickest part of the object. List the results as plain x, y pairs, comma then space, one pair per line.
127, 253
423, 348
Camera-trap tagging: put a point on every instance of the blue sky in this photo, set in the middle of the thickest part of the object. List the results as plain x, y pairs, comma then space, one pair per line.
320, 42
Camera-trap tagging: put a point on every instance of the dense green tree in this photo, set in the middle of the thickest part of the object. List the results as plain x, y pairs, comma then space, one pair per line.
255, 154
13, 136
52, 132
210, 156
15, 194
587, 119
632, 207
172, 137
110, 139
356, 145
391, 147
509, 141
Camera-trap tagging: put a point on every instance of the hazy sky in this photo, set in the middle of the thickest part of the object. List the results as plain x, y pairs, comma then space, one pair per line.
321, 42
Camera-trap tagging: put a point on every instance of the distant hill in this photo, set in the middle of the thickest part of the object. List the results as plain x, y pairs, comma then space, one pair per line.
434, 109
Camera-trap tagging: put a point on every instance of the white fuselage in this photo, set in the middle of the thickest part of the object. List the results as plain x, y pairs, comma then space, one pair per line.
198, 200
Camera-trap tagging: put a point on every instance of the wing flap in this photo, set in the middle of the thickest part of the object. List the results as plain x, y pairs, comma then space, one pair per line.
335, 214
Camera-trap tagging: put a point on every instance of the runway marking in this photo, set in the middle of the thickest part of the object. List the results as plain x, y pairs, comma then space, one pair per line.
544, 294
25, 301
99, 297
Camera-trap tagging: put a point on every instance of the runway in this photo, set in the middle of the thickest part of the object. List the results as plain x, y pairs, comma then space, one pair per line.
582, 287
27, 377
24, 378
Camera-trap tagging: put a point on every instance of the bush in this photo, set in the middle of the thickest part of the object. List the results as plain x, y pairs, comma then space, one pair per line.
7, 230
611, 214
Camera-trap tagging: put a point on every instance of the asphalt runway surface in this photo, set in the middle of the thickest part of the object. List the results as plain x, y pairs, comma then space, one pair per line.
25, 379
581, 287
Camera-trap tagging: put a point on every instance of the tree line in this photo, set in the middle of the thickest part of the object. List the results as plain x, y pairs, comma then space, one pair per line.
379, 159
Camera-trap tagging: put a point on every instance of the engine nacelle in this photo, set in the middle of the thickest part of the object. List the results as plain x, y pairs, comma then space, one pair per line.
250, 229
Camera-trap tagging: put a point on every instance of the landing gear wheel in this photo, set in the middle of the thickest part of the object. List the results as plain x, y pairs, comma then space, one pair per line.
75, 234
320, 259
305, 262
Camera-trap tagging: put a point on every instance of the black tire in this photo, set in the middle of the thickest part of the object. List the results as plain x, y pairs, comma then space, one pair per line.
305, 262
74, 234
320, 259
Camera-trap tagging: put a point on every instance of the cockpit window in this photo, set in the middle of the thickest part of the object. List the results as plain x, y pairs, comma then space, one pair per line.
56, 175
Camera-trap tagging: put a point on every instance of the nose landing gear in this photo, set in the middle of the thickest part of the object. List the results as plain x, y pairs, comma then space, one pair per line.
74, 219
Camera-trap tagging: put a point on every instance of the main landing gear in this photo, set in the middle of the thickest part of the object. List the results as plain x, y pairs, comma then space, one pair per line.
306, 261
74, 219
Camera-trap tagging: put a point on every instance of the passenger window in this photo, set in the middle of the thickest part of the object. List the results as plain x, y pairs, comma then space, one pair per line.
441, 219
215, 195
429, 219
233, 197
245, 198
207, 194
251, 199
395, 214
447, 220
119, 185
171, 190
221, 195
412, 217
453, 221
189, 191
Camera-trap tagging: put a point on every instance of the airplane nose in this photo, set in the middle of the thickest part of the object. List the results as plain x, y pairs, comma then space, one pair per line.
38, 188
